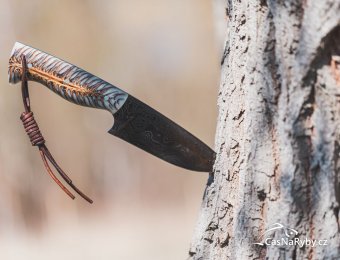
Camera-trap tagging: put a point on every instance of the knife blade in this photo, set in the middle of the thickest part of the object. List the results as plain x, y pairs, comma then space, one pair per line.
134, 121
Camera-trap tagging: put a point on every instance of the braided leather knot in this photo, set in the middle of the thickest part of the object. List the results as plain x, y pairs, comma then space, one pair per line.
32, 129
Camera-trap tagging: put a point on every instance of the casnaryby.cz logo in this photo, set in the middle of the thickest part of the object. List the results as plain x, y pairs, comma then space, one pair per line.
289, 237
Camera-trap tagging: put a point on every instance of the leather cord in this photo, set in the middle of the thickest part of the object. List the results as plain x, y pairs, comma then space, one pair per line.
36, 138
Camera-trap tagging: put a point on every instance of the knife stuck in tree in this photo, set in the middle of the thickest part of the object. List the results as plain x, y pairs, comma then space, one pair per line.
134, 121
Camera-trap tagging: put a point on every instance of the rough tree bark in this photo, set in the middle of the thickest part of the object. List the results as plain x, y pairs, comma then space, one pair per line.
278, 133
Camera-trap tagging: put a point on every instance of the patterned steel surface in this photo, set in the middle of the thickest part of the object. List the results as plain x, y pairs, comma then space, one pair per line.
144, 127
67, 80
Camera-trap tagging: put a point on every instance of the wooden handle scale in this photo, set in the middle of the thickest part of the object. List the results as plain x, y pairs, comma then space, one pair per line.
68, 81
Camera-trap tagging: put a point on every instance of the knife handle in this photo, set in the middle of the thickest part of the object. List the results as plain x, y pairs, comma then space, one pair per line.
67, 80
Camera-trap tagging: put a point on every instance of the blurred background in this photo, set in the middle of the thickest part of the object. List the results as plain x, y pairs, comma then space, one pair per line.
165, 53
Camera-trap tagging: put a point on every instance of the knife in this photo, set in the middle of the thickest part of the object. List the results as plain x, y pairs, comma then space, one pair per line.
134, 121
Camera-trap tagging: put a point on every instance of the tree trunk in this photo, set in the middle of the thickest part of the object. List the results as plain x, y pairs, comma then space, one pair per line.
278, 135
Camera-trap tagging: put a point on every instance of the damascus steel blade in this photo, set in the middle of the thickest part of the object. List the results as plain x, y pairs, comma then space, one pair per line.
144, 127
